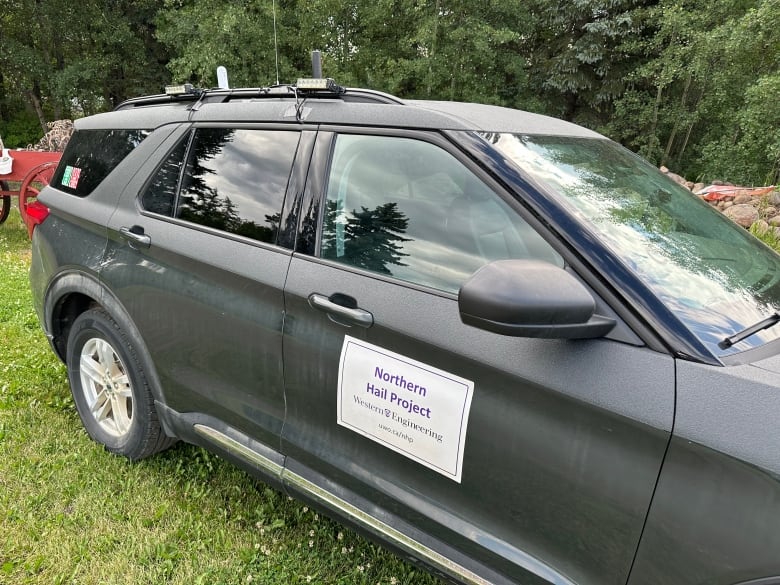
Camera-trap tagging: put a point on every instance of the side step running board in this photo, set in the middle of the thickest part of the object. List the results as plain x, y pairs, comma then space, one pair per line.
329, 500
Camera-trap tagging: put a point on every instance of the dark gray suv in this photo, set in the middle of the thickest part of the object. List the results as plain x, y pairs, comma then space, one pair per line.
497, 342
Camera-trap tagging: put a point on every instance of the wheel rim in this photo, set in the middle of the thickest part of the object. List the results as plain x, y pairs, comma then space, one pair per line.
106, 387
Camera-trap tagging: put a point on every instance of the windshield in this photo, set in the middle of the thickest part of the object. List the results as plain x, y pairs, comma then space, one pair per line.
715, 276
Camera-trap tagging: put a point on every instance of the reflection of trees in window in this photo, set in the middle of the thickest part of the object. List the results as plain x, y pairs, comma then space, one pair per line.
602, 175
161, 193
673, 236
205, 207
200, 202
263, 233
371, 238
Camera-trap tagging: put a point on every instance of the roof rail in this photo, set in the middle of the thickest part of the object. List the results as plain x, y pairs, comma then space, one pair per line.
371, 96
219, 95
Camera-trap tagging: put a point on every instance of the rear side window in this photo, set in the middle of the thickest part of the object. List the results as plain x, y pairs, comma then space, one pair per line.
234, 180
91, 155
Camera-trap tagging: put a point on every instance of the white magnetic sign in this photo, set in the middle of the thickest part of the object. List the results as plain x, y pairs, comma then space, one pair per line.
407, 406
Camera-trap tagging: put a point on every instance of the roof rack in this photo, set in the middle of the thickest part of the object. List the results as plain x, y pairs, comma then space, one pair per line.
187, 93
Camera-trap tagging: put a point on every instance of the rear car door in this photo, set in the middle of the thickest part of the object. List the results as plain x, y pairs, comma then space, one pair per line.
196, 262
535, 460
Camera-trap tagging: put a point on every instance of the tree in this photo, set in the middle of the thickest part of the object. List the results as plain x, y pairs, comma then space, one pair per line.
64, 59
742, 143
238, 35
687, 106
469, 51
581, 52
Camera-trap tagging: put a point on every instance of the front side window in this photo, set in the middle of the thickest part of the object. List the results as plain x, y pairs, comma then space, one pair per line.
91, 155
233, 180
408, 209
711, 273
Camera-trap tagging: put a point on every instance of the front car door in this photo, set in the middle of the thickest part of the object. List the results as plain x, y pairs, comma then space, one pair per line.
535, 460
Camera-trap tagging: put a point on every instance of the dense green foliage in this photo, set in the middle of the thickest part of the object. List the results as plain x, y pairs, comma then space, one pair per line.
689, 84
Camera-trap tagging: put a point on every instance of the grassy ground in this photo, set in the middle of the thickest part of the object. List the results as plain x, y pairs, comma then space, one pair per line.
72, 513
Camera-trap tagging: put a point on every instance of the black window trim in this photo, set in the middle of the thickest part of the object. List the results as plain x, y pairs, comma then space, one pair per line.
189, 138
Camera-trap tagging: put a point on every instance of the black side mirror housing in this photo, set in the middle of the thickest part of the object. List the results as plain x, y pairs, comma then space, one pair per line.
529, 298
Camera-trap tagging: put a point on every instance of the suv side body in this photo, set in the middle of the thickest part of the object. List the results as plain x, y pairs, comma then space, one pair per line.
293, 279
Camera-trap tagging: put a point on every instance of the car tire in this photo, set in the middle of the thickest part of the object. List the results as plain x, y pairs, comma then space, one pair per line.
110, 388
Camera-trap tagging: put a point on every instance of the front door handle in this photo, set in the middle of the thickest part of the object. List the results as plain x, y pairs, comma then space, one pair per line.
136, 237
341, 309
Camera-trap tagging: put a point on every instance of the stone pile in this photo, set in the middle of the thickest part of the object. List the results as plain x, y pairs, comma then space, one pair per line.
746, 206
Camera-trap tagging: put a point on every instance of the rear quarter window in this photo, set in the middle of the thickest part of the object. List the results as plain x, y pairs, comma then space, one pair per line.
91, 155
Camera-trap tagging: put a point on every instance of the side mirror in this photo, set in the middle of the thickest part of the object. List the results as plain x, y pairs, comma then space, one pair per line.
529, 298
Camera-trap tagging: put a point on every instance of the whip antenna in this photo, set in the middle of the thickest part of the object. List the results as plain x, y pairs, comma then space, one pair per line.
276, 45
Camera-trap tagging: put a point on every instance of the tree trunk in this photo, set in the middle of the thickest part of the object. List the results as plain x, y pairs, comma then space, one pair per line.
432, 54
692, 124
4, 112
35, 98
570, 106
687, 138
652, 139
673, 135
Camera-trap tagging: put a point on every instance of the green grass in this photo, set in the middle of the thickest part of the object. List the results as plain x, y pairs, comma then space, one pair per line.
72, 513
769, 237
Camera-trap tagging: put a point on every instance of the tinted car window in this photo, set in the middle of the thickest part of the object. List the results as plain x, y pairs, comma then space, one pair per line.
235, 180
407, 208
160, 195
91, 155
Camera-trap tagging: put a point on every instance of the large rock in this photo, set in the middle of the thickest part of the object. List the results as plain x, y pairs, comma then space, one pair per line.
773, 198
743, 214
675, 177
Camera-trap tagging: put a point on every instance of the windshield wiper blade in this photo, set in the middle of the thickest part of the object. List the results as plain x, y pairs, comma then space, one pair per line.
773, 319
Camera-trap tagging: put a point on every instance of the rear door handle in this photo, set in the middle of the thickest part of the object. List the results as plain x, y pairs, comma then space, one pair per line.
341, 309
135, 236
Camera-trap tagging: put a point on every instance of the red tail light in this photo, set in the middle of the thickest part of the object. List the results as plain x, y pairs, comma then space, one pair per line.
36, 214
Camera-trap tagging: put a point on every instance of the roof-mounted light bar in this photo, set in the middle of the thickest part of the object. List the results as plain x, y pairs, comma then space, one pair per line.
319, 84
183, 89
